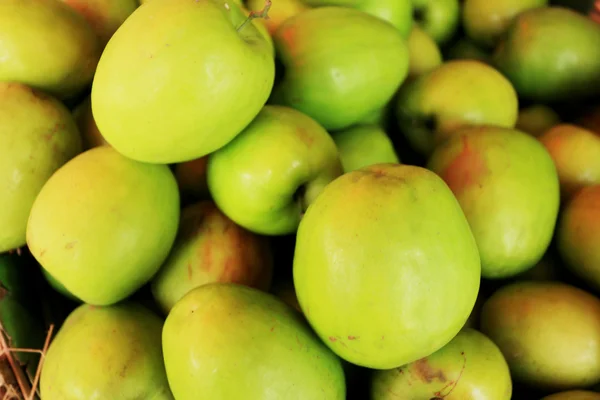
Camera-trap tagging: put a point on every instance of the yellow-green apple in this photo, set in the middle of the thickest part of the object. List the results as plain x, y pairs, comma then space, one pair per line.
267, 176
576, 154
103, 224
551, 54
224, 331
547, 331
341, 64
424, 53
90, 134
191, 179
485, 22
573, 395
280, 11
397, 13
471, 366
439, 18
37, 136
211, 248
578, 235
386, 268
364, 145
464, 49
536, 119
104, 16
124, 341
456, 94
47, 45
508, 187
184, 88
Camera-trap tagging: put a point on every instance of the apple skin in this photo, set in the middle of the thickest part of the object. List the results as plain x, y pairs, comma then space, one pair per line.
280, 11
397, 13
257, 178
470, 366
37, 136
329, 85
104, 16
578, 235
228, 341
533, 52
47, 45
573, 395
386, 268
576, 154
486, 21
364, 145
124, 341
457, 94
508, 187
103, 224
464, 49
424, 53
439, 18
153, 103
211, 248
549, 333
536, 119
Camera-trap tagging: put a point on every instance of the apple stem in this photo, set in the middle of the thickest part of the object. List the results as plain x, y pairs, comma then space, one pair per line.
264, 13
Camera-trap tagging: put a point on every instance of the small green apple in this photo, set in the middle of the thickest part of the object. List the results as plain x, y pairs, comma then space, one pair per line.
507, 185
364, 145
536, 119
424, 53
470, 366
185, 87
103, 224
465, 49
439, 18
341, 64
551, 54
229, 341
485, 21
124, 342
47, 45
386, 268
576, 154
211, 248
104, 16
270, 173
456, 94
37, 136
280, 11
397, 13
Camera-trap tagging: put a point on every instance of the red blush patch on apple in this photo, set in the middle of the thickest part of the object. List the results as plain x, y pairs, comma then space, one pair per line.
466, 170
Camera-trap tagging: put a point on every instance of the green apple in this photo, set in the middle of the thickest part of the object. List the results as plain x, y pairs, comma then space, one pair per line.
576, 154
456, 94
185, 87
280, 11
424, 53
397, 13
90, 134
341, 64
270, 173
386, 268
439, 18
47, 45
507, 185
549, 333
578, 235
103, 224
573, 395
465, 49
228, 341
470, 366
536, 119
211, 248
37, 136
364, 145
551, 54
124, 342
485, 22
104, 16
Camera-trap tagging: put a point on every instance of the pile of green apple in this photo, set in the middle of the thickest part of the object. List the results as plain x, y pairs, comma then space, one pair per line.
307, 199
